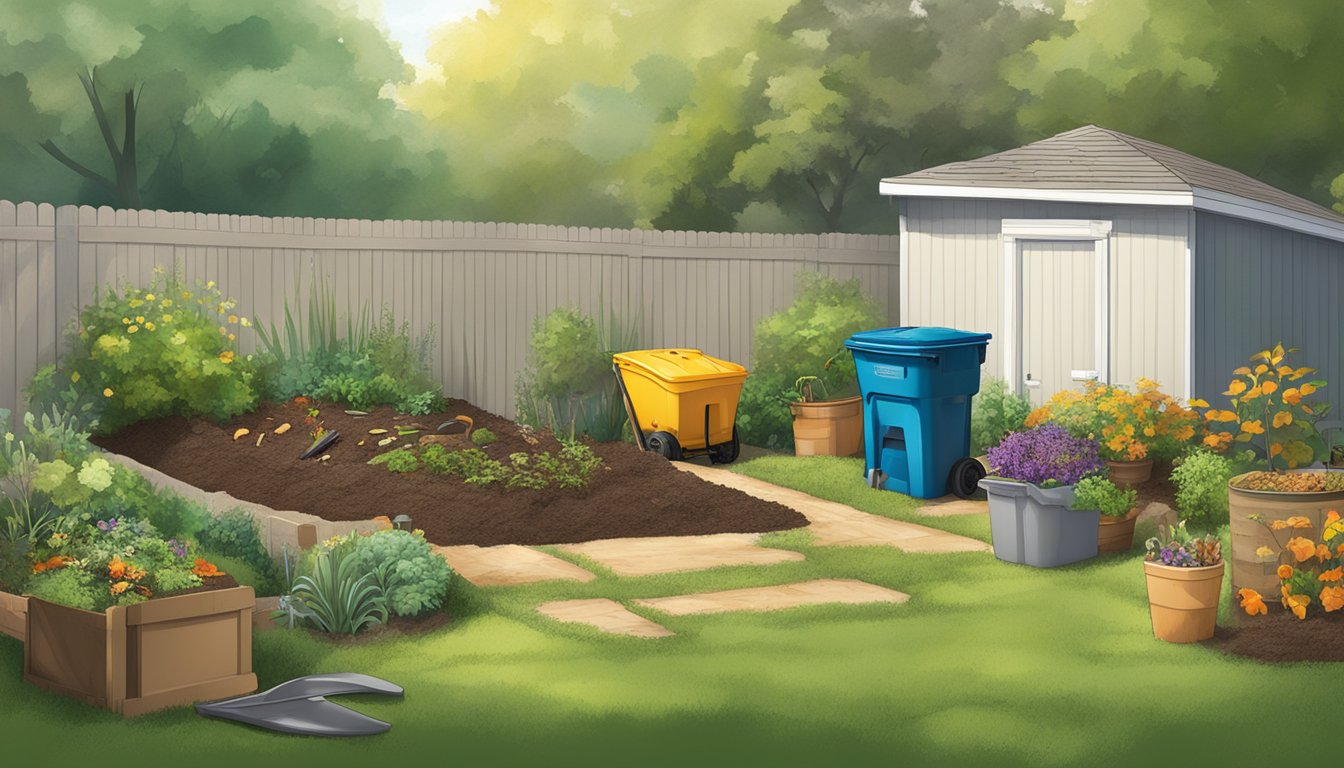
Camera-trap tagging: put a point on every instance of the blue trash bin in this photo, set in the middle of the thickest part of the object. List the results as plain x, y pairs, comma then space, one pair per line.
917, 384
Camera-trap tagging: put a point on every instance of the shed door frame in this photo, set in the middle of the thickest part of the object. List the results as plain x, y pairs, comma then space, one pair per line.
1016, 231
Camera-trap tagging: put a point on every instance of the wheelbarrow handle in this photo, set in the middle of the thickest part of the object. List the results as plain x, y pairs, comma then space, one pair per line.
629, 407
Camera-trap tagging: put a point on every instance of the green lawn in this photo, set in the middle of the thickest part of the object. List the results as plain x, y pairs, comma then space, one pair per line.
988, 664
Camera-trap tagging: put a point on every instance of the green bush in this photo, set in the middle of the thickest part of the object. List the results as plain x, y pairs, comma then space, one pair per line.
1098, 493
158, 351
1201, 488
483, 437
338, 595
70, 587
413, 578
568, 385
806, 339
402, 461
235, 534
995, 412
15, 567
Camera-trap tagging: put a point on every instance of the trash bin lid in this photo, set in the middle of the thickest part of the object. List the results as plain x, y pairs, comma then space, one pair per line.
916, 337
680, 364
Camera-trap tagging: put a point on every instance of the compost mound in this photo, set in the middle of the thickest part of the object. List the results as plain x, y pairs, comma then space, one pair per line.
635, 494
1280, 636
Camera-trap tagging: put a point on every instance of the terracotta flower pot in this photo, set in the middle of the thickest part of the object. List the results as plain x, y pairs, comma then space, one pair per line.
1127, 474
1183, 601
1116, 534
828, 427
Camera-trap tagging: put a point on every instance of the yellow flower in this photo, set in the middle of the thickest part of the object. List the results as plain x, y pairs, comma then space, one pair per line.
139, 318
120, 587
179, 338
186, 294
74, 377
210, 284
149, 326
107, 392
125, 321
1264, 553
133, 329
232, 337
149, 297
1235, 388
233, 319
1306, 390
223, 331
166, 303
1253, 427
245, 322
167, 318
226, 356
135, 303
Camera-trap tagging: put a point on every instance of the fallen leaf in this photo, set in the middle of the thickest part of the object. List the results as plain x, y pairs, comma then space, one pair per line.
361, 442
378, 431
240, 432
260, 437
386, 441
357, 413
325, 457
282, 429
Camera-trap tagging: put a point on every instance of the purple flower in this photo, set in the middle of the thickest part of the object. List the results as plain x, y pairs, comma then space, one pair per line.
107, 525
1045, 454
178, 548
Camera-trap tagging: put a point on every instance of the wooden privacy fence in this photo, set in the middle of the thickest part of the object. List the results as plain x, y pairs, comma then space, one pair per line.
479, 286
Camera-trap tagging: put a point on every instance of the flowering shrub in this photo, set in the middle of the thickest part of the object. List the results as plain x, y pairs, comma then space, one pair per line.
1310, 572
1176, 547
1130, 425
152, 352
1045, 456
1270, 412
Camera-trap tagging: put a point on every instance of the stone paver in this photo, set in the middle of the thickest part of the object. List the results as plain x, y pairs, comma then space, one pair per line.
508, 565
948, 506
606, 615
840, 525
819, 592
672, 554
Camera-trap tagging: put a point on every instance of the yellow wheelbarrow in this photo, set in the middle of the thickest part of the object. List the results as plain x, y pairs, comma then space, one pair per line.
682, 403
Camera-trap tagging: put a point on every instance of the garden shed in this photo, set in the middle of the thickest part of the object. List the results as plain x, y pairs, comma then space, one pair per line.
1097, 255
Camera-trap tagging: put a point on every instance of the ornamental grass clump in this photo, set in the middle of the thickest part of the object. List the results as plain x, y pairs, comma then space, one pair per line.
1310, 572
1176, 547
1047, 456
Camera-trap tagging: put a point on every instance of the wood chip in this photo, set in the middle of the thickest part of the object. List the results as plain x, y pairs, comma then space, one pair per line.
357, 413
240, 432
361, 442
282, 429
386, 441
324, 458
260, 437
378, 431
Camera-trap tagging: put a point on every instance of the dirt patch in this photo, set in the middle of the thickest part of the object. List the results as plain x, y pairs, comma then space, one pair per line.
635, 494
208, 584
1158, 488
1281, 636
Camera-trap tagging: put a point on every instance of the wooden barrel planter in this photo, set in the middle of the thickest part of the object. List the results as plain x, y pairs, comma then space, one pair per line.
1116, 534
1250, 571
140, 658
828, 427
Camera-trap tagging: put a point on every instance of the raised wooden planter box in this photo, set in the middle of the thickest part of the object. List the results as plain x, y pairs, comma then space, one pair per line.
13, 615
140, 658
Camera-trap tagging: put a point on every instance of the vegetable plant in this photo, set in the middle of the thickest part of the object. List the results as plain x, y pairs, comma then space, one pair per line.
1201, 488
413, 577
483, 437
1046, 456
1096, 492
996, 411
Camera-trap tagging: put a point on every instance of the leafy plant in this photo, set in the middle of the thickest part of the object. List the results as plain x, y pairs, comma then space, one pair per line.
483, 437
802, 341
402, 461
340, 597
1175, 546
67, 586
235, 533
1270, 412
157, 351
1046, 456
1201, 488
1130, 425
572, 467
1096, 492
1310, 572
15, 567
412, 576
996, 411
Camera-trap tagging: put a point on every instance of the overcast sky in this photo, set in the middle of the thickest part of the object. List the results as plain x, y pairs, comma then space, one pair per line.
409, 22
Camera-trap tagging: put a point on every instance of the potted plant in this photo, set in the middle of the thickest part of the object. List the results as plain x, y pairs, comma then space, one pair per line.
825, 427
1184, 574
1270, 428
1030, 494
1132, 427
1117, 507
1310, 573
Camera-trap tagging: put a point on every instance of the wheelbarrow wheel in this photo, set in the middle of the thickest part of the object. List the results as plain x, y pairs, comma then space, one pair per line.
665, 445
966, 477
726, 453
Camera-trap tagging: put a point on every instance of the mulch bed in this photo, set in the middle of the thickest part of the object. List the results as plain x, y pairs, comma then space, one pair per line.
1281, 636
635, 494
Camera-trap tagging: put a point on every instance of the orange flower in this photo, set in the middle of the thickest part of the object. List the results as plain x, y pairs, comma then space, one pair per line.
1285, 571
1334, 574
1307, 390
1298, 521
1252, 602
116, 569
51, 563
1322, 552
1302, 549
134, 574
1268, 387
205, 569
120, 587
1292, 396
1253, 427
1298, 605
1332, 598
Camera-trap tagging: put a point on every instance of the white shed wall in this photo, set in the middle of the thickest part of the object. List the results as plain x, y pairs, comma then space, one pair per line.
953, 276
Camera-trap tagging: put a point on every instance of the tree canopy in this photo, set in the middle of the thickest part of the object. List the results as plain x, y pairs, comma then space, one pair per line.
688, 114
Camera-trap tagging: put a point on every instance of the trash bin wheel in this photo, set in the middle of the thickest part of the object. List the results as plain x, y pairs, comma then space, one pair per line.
726, 453
966, 477
664, 444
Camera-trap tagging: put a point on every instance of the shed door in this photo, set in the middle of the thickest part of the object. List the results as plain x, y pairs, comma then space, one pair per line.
1060, 297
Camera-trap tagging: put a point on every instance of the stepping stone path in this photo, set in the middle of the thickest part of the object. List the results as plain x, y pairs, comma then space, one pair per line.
508, 565
607, 615
672, 554
840, 525
948, 506
819, 592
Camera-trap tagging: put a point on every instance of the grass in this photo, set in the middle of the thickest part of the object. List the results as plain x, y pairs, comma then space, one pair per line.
988, 664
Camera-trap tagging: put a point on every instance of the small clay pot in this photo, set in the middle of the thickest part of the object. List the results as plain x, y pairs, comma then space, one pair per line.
1127, 474
1116, 534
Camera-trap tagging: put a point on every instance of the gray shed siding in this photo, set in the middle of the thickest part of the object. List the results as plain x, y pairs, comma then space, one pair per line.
1256, 285
953, 275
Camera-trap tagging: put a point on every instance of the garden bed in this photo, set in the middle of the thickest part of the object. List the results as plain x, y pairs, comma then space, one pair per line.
1281, 636
634, 494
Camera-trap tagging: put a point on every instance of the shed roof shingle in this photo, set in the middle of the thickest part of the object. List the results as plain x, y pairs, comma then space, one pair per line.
1096, 158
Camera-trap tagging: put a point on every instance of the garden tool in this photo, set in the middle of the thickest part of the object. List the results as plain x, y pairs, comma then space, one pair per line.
299, 706
451, 434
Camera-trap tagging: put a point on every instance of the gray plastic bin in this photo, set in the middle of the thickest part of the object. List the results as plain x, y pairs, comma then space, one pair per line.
1035, 526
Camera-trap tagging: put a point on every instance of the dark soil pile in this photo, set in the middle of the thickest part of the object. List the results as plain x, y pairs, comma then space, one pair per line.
635, 494
1281, 636
1158, 488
